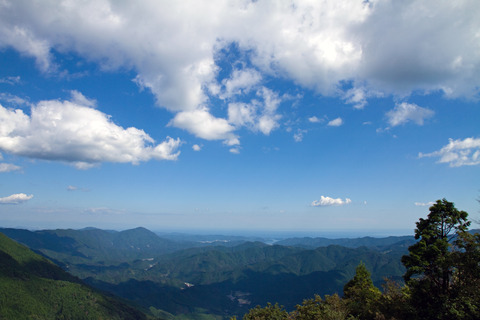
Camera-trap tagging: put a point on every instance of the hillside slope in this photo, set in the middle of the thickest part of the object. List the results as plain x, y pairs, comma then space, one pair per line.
32, 287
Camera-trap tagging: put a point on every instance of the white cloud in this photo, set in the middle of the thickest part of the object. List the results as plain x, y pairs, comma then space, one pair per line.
458, 153
315, 119
79, 99
374, 47
8, 167
16, 198
72, 132
327, 201
335, 122
405, 112
202, 124
72, 188
235, 150
196, 147
240, 82
257, 116
357, 97
424, 204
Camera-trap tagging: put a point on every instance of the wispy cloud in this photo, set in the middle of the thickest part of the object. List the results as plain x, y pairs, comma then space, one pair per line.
298, 136
16, 198
406, 112
327, 201
8, 167
424, 204
10, 80
458, 153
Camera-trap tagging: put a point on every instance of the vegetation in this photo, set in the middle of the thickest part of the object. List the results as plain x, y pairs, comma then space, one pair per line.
441, 280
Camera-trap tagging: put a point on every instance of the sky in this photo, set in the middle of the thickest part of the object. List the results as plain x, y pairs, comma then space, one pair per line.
315, 116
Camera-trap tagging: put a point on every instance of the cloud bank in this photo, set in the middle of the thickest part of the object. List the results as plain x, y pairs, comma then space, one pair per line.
350, 49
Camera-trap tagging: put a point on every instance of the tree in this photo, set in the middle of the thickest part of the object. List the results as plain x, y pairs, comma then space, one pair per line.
361, 295
464, 297
394, 302
430, 263
332, 308
270, 312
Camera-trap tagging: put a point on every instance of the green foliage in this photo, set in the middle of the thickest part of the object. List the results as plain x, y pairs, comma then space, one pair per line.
270, 312
464, 298
361, 295
332, 308
394, 303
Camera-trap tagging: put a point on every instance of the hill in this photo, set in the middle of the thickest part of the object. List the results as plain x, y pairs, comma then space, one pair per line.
34, 288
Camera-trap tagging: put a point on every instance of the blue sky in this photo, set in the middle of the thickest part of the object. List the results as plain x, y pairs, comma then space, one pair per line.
238, 115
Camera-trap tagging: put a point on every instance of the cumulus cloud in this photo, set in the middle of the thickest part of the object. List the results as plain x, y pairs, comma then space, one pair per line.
327, 201
204, 125
405, 112
16, 198
335, 122
196, 147
352, 49
72, 131
458, 153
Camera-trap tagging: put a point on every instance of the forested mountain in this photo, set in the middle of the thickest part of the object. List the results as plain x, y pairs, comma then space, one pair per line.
213, 279
34, 288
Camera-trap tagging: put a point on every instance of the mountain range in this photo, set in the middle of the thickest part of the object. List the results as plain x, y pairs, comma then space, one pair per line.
212, 276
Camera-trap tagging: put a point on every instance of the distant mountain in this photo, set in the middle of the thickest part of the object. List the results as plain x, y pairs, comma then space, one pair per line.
370, 242
94, 246
34, 288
